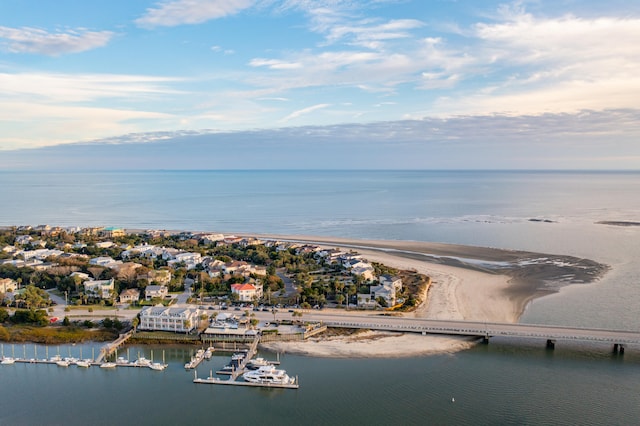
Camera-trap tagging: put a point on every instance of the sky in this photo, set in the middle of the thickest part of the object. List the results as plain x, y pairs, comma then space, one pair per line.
391, 83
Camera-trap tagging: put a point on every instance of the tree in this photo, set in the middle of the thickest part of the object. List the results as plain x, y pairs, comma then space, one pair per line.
135, 322
340, 298
33, 297
66, 321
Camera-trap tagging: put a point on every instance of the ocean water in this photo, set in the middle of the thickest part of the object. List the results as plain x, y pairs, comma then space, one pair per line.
502, 383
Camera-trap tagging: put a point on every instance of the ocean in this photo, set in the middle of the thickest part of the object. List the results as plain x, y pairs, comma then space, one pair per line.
502, 383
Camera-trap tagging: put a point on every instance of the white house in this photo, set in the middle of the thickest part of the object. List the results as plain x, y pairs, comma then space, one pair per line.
102, 289
191, 260
105, 261
388, 288
160, 318
247, 292
155, 291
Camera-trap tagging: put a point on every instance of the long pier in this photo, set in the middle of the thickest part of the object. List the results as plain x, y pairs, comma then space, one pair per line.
484, 330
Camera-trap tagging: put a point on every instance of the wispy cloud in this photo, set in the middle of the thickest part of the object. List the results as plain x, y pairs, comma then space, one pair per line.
303, 111
177, 12
41, 42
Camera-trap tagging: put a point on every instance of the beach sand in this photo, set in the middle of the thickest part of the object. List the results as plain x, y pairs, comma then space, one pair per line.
468, 283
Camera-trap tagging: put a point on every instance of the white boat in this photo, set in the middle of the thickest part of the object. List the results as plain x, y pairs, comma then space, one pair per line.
158, 366
268, 374
256, 363
122, 361
7, 360
55, 358
209, 352
71, 360
85, 363
108, 365
62, 363
142, 362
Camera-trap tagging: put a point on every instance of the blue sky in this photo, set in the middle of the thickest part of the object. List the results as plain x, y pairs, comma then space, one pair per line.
123, 71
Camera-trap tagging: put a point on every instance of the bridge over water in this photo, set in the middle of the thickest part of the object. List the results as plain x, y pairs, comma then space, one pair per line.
485, 330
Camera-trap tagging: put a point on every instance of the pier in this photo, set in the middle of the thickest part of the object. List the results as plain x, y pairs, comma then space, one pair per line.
113, 346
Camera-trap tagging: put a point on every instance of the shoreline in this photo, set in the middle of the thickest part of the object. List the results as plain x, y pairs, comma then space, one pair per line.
468, 283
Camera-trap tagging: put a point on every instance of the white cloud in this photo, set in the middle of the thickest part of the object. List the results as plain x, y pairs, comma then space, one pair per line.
38, 41
61, 88
303, 111
177, 12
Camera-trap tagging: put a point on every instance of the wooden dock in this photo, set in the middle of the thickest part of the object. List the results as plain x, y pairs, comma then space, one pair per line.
111, 347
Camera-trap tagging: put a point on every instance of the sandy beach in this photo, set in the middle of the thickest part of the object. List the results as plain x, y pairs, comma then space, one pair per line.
468, 283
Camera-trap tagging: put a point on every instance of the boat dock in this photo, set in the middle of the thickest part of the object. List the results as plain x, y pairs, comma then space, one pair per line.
241, 368
231, 382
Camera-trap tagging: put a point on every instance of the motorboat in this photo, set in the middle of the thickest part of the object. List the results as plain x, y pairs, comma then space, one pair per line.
158, 366
142, 362
122, 361
55, 358
108, 365
7, 360
256, 363
85, 363
209, 352
62, 363
268, 374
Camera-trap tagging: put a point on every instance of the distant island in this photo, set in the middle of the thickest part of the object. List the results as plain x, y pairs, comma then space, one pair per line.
618, 223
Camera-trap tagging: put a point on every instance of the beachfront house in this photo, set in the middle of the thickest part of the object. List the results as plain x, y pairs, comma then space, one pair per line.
385, 293
247, 292
112, 232
160, 318
155, 292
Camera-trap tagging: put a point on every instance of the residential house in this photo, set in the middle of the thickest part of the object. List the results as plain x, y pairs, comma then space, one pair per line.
247, 292
160, 318
100, 289
112, 232
105, 244
7, 285
129, 295
23, 239
388, 288
105, 261
155, 291
190, 260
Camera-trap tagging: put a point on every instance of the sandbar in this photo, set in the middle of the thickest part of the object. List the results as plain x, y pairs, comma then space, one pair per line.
468, 283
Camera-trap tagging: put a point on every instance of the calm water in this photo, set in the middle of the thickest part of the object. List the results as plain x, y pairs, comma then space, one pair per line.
498, 384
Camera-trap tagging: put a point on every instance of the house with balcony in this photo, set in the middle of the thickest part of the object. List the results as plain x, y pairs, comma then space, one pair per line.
130, 295
160, 318
247, 292
99, 289
155, 292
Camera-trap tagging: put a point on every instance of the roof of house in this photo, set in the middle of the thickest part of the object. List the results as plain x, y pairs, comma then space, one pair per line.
243, 287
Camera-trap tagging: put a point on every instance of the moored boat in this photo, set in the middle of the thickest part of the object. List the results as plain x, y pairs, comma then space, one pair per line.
7, 360
85, 363
108, 365
158, 366
62, 363
268, 374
